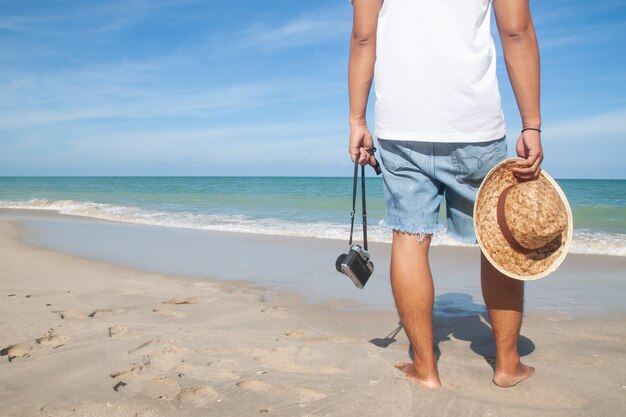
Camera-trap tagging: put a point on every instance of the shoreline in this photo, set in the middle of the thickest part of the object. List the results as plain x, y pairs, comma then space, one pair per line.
95, 339
590, 237
585, 284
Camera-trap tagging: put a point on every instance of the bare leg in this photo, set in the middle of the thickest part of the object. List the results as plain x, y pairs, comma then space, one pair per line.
412, 285
504, 297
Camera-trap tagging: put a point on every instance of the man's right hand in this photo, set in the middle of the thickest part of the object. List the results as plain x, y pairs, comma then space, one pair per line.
360, 76
361, 145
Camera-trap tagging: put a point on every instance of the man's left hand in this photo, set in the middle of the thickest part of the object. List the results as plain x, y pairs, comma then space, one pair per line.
529, 148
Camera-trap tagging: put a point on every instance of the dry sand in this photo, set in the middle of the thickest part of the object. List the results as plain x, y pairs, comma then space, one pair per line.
82, 338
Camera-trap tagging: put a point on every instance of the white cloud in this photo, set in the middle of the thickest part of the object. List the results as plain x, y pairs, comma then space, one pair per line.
310, 29
185, 150
24, 23
565, 23
590, 34
84, 18
608, 125
136, 91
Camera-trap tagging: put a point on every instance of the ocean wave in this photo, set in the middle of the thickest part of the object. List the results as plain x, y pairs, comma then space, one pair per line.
593, 243
584, 241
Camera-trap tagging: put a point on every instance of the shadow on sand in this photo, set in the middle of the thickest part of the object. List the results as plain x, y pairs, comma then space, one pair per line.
457, 316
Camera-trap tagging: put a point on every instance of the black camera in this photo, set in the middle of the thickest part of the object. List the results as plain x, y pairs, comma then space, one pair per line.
356, 265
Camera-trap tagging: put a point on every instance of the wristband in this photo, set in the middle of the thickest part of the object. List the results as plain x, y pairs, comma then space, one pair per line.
531, 128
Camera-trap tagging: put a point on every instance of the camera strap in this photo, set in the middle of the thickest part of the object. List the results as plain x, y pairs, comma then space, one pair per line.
354, 186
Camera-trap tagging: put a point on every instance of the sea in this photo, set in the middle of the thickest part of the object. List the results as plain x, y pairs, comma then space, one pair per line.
316, 207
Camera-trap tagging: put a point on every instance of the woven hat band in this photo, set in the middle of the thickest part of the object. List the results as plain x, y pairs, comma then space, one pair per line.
524, 228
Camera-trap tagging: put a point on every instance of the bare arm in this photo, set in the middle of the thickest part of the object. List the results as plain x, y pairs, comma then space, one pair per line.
360, 75
521, 55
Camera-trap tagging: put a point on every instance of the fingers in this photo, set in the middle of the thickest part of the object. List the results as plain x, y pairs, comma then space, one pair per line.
357, 152
354, 153
364, 155
527, 170
530, 167
372, 160
528, 147
361, 145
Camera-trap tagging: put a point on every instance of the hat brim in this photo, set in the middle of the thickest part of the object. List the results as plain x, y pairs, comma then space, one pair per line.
523, 266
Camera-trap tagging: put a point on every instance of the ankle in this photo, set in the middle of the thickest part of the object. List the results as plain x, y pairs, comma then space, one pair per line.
426, 370
425, 362
508, 365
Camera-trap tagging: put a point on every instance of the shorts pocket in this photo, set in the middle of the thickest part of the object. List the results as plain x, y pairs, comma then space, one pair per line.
395, 155
473, 161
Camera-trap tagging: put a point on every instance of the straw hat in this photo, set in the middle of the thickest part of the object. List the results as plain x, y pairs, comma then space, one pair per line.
524, 228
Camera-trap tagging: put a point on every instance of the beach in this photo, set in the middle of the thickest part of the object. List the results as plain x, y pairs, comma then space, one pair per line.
84, 337
177, 198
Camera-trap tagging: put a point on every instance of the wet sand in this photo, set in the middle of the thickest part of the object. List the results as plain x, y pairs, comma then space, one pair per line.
584, 284
80, 337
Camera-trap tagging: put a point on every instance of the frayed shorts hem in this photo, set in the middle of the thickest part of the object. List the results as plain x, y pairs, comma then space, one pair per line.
422, 231
415, 230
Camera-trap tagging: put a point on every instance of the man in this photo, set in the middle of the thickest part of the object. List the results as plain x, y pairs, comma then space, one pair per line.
440, 129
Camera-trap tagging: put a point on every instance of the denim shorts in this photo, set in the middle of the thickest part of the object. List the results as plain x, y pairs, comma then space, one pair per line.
418, 175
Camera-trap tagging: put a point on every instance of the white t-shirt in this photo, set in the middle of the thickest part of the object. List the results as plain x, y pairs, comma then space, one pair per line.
435, 75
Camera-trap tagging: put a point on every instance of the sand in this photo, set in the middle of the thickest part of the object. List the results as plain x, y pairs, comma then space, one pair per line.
86, 338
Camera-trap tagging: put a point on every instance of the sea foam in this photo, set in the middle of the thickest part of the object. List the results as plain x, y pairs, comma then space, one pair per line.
584, 241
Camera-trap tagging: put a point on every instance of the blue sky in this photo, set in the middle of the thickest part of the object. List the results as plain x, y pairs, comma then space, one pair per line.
257, 87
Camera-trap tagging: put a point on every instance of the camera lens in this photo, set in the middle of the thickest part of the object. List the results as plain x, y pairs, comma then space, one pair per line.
339, 261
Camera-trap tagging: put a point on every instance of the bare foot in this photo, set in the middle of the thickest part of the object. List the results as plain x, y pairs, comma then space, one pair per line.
428, 382
504, 380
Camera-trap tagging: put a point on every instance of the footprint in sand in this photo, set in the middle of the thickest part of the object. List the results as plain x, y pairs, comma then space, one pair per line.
334, 339
127, 373
105, 312
274, 312
138, 380
70, 314
160, 355
223, 369
159, 387
19, 350
255, 386
297, 358
290, 365
24, 349
116, 329
51, 341
169, 313
165, 359
261, 387
177, 301
251, 352
206, 372
197, 396
152, 412
154, 345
